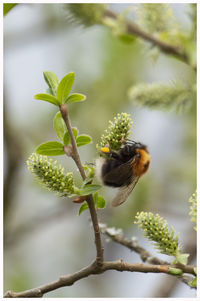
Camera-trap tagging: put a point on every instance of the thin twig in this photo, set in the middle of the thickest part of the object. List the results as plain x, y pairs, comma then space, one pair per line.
137, 31
166, 287
92, 269
117, 236
76, 158
75, 154
131, 244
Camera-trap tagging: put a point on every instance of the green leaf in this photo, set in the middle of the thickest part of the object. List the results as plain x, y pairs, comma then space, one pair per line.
75, 132
75, 98
83, 207
51, 80
90, 171
182, 259
95, 197
126, 38
66, 138
101, 203
193, 283
64, 87
47, 97
51, 148
60, 126
195, 270
175, 271
89, 189
7, 7
83, 140
49, 91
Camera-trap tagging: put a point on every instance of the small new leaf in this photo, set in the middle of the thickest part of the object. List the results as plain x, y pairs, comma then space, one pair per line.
89, 189
66, 138
90, 170
51, 148
59, 126
64, 87
126, 38
95, 197
51, 80
83, 208
83, 140
75, 132
182, 259
193, 283
76, 97
101, 203
86, 181
48, 98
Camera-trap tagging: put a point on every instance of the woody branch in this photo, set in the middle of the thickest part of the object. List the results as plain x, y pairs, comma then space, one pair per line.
93, 269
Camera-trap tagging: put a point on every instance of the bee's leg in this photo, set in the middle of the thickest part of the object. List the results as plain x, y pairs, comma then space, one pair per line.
89, 163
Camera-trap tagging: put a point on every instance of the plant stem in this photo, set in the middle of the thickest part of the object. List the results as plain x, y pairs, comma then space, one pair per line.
133, 246
76, 158
137, 31
93, 269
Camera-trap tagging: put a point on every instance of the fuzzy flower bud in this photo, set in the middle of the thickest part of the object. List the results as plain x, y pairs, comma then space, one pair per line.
50, 175
162, 97
193, 208
156, 17
87, 14
118, 130
157, 230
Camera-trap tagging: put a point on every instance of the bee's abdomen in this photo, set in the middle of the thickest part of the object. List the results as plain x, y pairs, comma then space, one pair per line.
142, 163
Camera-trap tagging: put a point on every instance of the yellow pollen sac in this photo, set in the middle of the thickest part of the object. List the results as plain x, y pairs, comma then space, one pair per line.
105, 149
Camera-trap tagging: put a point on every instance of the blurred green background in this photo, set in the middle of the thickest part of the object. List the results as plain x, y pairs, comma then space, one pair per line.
43, 235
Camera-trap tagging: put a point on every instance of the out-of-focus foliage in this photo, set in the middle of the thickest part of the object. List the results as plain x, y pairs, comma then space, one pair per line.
7, 7
157, 18
85, 13
163, 97
193, 209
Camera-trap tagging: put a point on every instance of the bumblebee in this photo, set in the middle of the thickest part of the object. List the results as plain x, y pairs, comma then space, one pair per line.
123, 168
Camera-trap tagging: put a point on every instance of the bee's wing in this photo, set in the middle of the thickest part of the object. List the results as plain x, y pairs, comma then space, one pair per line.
120, 175
124, 192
